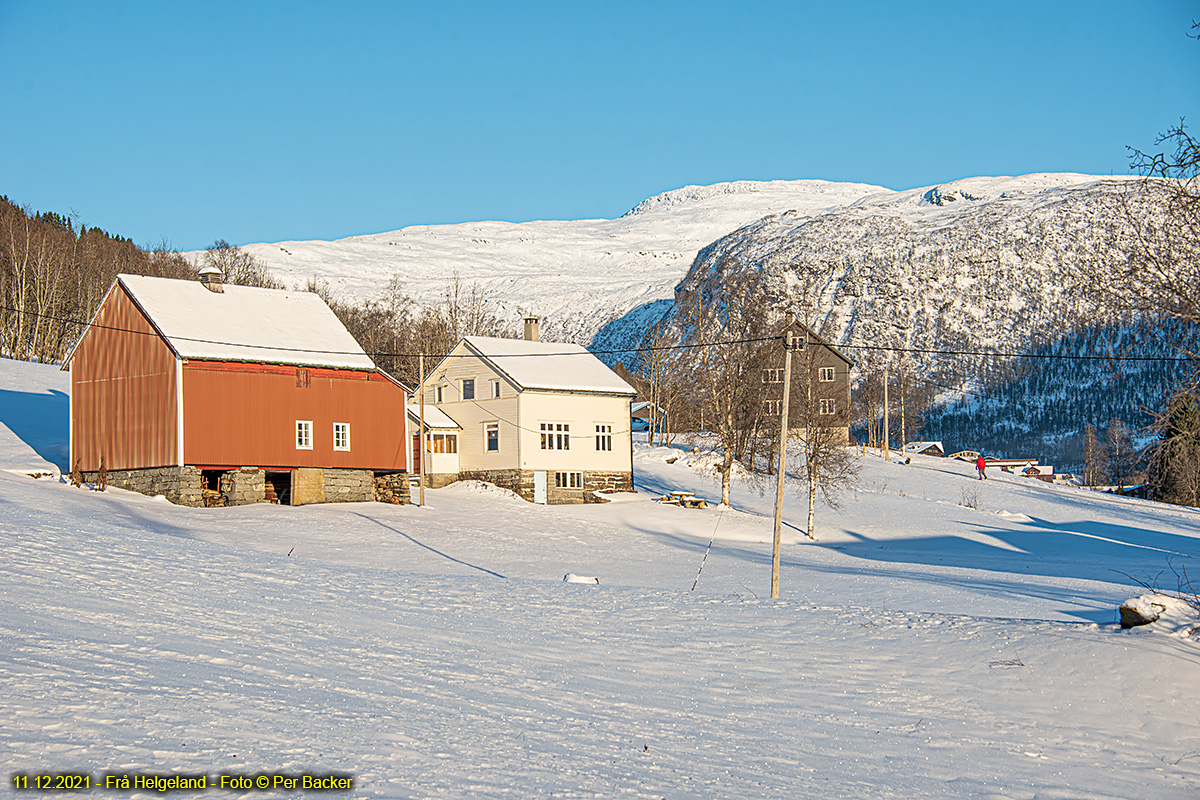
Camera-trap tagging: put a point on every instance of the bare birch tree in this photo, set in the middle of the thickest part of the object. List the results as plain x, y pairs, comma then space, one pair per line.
1121, 455
662, 370
727, 315
1093, 457
238, 266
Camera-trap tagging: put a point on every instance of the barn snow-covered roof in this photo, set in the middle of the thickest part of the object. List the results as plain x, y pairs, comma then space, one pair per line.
245, 323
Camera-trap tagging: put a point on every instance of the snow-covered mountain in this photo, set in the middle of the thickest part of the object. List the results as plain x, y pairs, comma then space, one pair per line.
578, 275
978, 263
974, 264
982, 264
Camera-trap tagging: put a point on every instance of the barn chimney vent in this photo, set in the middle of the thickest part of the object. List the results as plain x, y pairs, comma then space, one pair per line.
531, 329
212, 279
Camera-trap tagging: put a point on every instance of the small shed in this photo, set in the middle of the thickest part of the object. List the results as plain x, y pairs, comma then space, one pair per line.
643, 413
924, 449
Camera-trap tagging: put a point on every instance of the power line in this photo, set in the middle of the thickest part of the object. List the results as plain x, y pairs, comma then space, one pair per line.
613, 351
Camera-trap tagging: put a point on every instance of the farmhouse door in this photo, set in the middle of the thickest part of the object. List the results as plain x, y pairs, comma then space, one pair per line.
539, 486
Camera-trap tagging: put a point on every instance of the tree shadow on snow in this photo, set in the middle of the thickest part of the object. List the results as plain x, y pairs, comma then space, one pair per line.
1106, 557
1096, 551
41, 420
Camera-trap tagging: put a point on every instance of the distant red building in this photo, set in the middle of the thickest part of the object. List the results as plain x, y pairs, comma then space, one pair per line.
224, 395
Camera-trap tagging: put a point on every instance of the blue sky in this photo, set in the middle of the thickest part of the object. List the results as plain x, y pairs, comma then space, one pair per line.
269, 121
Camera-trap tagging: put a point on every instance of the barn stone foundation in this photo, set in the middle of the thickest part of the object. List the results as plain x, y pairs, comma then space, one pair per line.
180, 485
186, 486
349, 485
243, 487
521, 481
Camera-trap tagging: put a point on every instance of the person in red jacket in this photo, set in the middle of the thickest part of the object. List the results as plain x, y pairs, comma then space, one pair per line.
981, 465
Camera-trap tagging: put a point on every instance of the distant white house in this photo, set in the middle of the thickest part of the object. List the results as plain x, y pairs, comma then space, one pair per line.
549, 421
643, 413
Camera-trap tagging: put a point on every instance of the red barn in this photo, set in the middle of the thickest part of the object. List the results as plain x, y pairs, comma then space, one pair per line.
225, 395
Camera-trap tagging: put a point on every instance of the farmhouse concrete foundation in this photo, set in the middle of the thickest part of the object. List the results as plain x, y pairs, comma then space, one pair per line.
436, 480
521, 481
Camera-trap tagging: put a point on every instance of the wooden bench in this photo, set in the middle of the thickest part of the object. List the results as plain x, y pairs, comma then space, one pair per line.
683, 499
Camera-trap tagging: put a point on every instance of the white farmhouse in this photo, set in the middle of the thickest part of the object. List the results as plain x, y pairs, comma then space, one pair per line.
549, 421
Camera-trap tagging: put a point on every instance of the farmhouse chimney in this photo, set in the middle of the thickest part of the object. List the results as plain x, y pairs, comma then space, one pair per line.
211, 278
531, 329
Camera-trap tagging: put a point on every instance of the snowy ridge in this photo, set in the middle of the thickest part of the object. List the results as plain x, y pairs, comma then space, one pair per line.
976, 263
577, 275
583, 275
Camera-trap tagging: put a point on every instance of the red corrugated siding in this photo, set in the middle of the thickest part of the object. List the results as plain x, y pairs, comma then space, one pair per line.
122, 392
245, 415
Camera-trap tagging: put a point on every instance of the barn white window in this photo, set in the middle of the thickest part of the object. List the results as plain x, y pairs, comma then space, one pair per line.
828, 406
304, 434
556, 435
568, 480
825, 374
604, 437
341, 436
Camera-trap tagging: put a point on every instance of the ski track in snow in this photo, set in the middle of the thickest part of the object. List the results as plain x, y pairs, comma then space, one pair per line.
921, 648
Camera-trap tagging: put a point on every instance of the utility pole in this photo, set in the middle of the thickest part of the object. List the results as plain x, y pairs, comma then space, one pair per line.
783, 437
887, 436
421, 406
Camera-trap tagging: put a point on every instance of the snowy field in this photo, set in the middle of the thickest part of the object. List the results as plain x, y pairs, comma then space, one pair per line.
944, 637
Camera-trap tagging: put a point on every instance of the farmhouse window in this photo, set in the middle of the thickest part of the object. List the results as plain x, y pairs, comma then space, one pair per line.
825, 374
495, 388
568, 480
828, 406
468, 389
772, 376
439, 394
341, 436
304, 434
491, 435
442, 442
556, 435
604, 437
